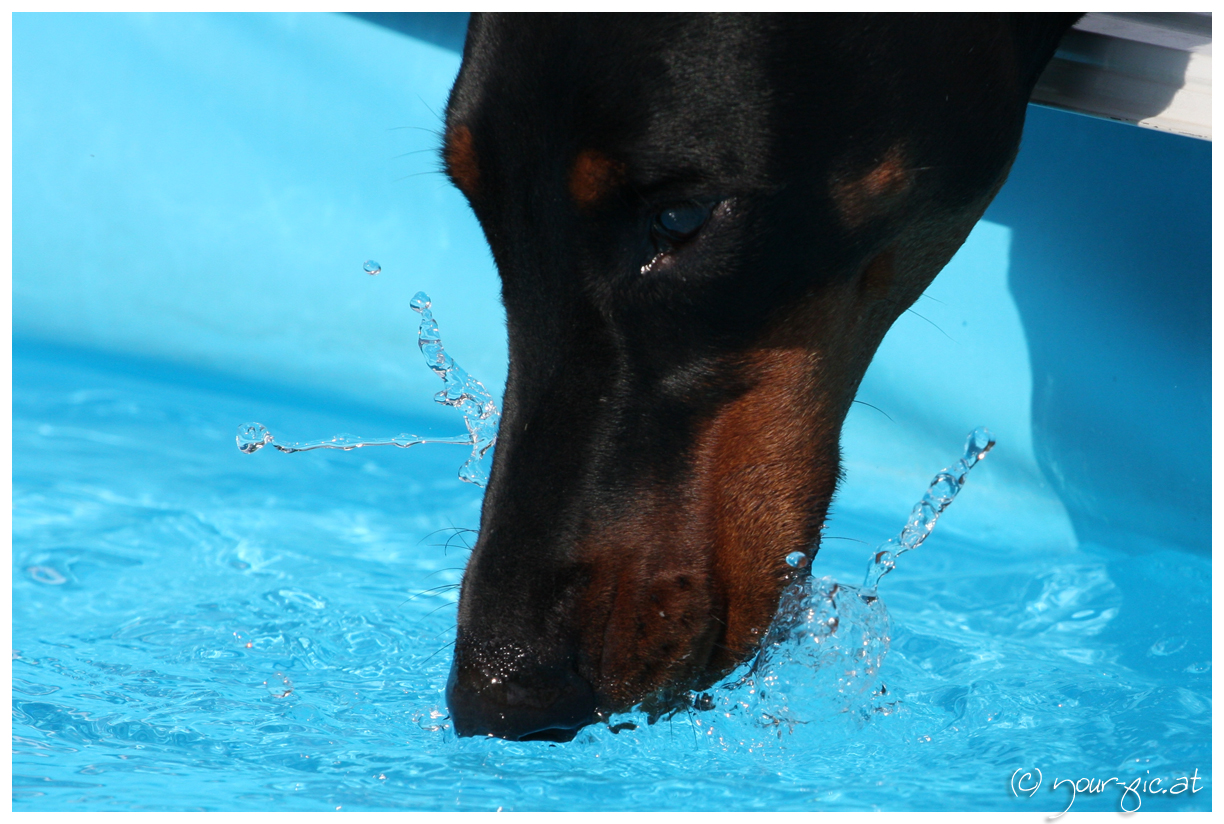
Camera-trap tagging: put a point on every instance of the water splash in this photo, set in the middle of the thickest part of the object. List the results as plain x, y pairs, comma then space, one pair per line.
828, 640
797, 559
460, 390
255, 436
939, 495
371, 267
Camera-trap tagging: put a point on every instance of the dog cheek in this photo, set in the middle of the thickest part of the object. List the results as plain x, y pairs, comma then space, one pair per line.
770, 463
878, 276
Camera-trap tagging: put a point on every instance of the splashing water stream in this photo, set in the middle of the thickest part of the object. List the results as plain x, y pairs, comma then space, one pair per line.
828, 640
460, 390
939, 495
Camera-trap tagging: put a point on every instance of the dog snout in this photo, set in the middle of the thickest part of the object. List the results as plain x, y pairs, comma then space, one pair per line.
530, 702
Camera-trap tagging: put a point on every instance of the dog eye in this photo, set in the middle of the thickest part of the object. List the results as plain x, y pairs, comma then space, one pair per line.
680, 222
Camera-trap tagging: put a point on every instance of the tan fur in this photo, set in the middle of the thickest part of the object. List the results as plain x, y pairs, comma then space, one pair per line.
461, 160
593, 177
874, 194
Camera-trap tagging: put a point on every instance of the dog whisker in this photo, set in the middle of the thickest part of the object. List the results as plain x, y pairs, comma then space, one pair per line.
435, 609
414, 152
439, 588
432, 654
431, 111
418, 174
435, 132
443, 529
933, 323
876, 408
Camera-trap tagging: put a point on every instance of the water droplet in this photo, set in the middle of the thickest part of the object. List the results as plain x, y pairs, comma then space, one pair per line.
252, 437
981, 441
420, 302
371, 267
943, 489
797, 559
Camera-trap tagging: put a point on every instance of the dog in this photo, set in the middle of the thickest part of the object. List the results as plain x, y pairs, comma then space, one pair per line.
703, 225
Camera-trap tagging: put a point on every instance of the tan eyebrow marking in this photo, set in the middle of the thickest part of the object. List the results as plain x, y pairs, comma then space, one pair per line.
876, 192
593, 176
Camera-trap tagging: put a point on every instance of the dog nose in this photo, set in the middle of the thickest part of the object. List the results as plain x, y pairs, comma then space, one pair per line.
548, 704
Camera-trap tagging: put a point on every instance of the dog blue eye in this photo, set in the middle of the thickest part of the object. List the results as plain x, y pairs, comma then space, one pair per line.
681, 222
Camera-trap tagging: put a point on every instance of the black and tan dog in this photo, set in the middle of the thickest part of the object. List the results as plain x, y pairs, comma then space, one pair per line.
704, 226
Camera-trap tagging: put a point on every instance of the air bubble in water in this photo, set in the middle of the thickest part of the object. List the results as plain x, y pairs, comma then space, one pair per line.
279, 685
46, 575
371, 267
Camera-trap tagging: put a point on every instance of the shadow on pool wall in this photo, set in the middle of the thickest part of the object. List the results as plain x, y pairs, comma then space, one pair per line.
1111, 271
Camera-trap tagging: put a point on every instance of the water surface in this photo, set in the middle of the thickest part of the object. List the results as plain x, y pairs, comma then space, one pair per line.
195, 628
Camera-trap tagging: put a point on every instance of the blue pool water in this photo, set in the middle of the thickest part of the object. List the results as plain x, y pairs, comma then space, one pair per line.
198, 628
149, 553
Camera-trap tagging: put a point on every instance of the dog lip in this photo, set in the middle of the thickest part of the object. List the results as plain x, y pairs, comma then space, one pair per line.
691, 669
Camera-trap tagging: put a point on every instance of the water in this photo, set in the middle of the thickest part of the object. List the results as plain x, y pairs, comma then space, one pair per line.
460, 390
946, 485
196, 629
371, 267
828, 641
820, 626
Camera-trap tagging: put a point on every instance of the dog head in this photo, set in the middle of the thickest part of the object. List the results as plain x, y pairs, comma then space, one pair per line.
704, 225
